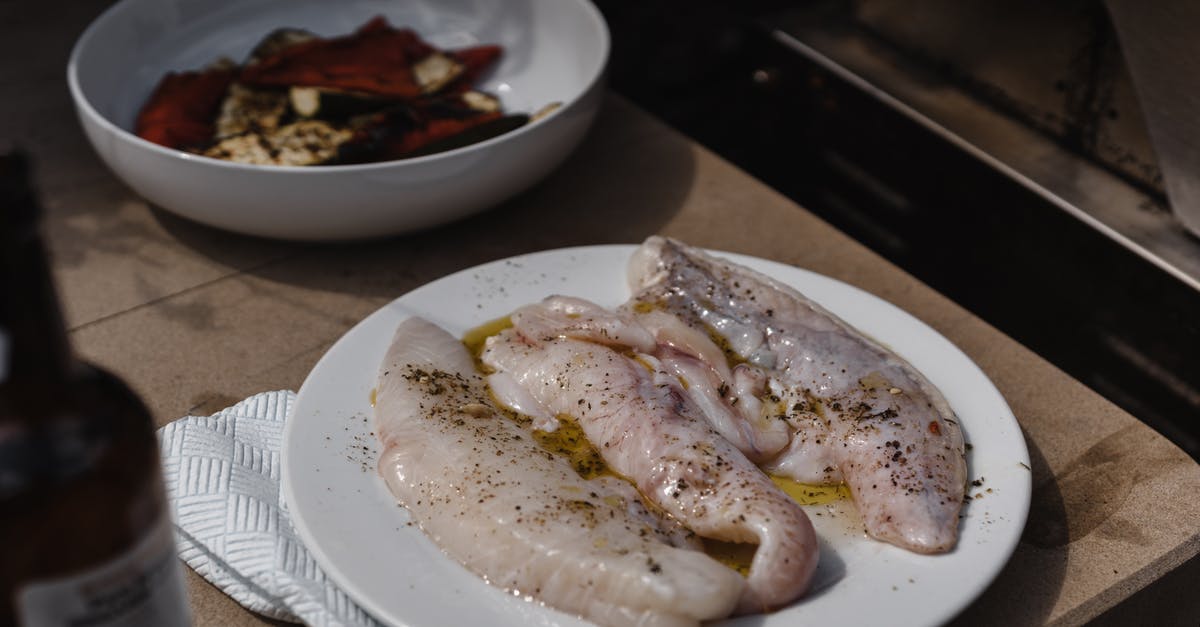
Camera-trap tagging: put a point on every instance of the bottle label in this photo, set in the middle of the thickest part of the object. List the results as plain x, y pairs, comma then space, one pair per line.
141, 587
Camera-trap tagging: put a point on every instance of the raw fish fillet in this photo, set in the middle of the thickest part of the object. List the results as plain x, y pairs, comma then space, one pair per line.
859, 413
729, 396
565, 353
521, 517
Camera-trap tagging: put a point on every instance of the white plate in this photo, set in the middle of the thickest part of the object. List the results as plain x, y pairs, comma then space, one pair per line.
364, 542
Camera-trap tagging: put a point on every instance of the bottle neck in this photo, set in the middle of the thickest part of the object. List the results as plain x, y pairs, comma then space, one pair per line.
34, 346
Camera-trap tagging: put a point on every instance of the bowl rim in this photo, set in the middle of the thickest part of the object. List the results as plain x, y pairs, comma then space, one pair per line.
84, 105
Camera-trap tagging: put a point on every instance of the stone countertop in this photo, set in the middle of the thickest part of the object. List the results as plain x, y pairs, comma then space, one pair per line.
196, 319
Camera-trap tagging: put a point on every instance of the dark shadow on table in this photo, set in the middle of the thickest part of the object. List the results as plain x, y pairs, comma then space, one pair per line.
1169, 602
1042, 549
647, 174
1076, 503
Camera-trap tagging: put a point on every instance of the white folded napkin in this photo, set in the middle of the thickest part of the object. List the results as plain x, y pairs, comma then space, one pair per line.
232, 526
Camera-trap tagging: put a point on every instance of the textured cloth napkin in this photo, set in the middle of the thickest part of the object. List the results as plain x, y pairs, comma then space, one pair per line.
232, 526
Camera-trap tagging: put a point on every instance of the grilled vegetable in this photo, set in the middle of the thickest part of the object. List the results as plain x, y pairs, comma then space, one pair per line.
494, 127
307, 142
379, 93
432, 126
332, 104
376, 59
476, 61
246, 110
278, 40
436, 71
480, 101
545, 111
180, 112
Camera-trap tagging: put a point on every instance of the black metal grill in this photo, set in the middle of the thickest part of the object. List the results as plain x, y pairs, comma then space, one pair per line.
1112, 316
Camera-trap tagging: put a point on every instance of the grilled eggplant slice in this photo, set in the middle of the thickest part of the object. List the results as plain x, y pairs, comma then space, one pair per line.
277, 41
307, 142
333, 104
480, 101
246, 110
435, 72
545, 111
437, 125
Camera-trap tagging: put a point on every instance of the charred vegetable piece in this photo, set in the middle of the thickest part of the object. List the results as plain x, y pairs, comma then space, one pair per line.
545, 111
307, 142
277, 41
245, 110
475, 61
380, 93
333, 104
480, 101
436, 71
377, 59
405, 130
473, 135
180, 112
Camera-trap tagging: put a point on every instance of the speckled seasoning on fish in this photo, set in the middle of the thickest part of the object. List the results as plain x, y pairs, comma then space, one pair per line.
561, 353
858, 413
708, 380
521, 517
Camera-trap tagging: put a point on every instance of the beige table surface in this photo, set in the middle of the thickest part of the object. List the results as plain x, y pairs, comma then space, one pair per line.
196, 319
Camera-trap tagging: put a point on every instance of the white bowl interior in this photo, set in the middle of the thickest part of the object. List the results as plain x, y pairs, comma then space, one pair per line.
128, 50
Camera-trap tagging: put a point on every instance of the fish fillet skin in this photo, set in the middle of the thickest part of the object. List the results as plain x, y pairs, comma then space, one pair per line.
684, 352
728, 397
566, 316
860, 413
519, 516
647, 430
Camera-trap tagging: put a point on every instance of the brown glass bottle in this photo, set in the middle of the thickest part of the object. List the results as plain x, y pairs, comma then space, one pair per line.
85, 536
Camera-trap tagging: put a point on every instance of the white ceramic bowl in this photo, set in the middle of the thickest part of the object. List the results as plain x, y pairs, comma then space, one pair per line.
555, 51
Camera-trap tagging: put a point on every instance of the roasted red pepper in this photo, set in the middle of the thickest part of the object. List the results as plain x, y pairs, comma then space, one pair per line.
475, 62
406, 130
180, 112
377, 59
418, 110
433, 130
